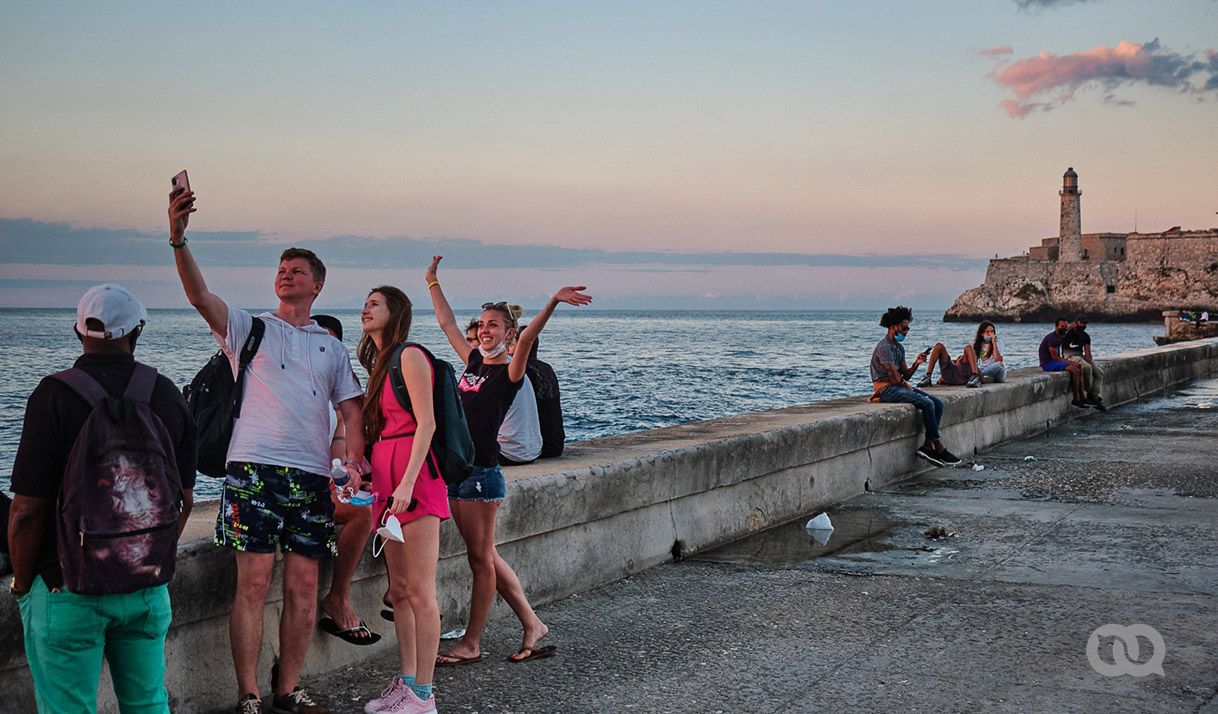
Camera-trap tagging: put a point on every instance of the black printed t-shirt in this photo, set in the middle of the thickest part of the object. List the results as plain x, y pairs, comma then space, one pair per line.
54, 415
1075, 342
486, 395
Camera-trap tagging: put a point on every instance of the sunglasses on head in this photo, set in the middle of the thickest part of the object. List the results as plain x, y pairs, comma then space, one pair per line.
501, 305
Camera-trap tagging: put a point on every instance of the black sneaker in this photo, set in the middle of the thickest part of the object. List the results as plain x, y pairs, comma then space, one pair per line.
296, 701
249, 704
973, 382
1097, 403
947, 458
1080, 404
926, 453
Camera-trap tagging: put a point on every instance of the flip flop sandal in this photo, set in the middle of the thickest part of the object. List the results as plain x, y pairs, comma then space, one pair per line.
359, 635
387, 614
456, 660
534, 652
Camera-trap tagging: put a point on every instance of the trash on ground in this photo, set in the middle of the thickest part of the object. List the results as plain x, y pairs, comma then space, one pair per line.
453, 634
1029, 458
1126, 427
939, 531
978, 467
820, 528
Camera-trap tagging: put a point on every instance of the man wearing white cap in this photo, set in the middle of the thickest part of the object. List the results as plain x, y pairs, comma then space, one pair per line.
127, 623
276, 491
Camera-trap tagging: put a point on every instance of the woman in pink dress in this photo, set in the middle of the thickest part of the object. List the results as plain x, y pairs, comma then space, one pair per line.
406, 489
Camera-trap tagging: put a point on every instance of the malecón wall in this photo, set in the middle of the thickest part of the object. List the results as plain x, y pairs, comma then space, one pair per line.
612, 507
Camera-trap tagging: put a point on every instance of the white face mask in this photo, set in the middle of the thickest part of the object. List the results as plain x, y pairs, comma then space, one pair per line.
494, 351
390, 529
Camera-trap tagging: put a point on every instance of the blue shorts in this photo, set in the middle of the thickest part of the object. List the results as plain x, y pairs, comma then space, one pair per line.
485, 483
1055, 365
267, 507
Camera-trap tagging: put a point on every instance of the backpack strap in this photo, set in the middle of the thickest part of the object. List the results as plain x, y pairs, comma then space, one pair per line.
248, 349
139, 388
397, 381
83, 384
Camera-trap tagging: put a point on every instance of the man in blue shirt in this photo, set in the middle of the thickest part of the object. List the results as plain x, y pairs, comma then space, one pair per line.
889, 374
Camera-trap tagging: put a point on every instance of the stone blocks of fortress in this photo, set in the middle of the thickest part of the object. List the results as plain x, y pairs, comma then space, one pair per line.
1107, 276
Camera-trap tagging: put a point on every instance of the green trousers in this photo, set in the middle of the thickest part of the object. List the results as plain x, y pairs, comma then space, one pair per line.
67, 635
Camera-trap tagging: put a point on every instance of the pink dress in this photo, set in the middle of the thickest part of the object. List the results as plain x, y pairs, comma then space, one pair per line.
389, 459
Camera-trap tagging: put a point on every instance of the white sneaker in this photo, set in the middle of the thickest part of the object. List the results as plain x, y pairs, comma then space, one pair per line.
389, 698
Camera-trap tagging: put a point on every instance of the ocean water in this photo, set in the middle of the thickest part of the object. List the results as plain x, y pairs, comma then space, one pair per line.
620, 371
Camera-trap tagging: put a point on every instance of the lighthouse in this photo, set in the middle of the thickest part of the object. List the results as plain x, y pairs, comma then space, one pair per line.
1070, 238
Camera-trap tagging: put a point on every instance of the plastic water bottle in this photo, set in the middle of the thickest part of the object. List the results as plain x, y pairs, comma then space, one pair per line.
338, 474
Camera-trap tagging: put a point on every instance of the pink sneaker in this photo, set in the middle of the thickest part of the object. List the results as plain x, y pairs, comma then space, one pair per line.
389, 698
411, 704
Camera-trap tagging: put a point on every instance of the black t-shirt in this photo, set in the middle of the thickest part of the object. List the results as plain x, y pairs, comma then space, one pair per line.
1074, 342
54, 415
549, 407
486, 395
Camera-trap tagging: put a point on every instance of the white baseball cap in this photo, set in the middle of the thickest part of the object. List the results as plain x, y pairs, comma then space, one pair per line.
116, 309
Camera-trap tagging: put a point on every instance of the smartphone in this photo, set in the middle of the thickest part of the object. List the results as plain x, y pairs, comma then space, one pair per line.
926, 351
181, 179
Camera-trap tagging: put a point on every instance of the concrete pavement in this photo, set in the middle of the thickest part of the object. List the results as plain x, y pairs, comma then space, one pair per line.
1113, 522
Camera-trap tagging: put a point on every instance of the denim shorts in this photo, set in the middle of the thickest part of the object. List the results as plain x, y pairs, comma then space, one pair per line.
485, 483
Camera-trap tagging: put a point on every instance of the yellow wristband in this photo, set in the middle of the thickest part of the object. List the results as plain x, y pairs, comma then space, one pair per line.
432, 283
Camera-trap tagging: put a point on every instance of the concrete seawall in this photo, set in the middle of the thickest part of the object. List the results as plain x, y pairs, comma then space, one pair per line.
611, 507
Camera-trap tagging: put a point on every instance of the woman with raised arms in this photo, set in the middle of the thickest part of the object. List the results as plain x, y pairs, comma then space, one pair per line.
488, 385
408, 490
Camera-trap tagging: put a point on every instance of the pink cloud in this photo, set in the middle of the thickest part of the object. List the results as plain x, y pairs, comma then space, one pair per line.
1052, 80
1000, 51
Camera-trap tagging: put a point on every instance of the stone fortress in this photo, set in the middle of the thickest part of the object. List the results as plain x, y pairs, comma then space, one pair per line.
1114, 277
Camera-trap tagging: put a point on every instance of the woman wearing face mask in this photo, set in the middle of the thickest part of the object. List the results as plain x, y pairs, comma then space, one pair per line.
400, 441
988, 349
488, 385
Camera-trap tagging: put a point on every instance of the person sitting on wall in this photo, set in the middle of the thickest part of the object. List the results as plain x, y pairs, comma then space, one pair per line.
1077, 349
989, 350
549, 404
1051, 360
889, 374
961, 371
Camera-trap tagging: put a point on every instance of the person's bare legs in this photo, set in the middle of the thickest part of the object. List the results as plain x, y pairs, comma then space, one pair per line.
296, 621
476, 522
356, 527
970, 358
245, 620
1076, 380
508, 585
938, 356
413, 589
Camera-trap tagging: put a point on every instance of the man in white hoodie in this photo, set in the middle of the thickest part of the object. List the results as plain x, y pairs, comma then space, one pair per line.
276, 493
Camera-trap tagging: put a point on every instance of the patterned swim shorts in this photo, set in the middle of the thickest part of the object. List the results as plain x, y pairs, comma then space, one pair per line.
264, 507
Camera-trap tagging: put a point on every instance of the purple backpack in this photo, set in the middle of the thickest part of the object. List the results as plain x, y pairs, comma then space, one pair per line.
121, 493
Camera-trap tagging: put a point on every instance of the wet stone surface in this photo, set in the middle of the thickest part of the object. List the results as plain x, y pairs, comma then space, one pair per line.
1113, 522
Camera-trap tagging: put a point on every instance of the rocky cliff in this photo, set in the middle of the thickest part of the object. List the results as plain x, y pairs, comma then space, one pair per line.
1161, 271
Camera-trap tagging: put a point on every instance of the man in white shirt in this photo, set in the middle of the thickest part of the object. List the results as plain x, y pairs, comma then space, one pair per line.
276, 494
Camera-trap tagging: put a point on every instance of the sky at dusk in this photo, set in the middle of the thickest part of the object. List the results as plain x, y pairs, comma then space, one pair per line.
712, 155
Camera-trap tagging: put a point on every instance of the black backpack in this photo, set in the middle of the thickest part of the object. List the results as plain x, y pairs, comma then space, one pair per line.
452, 449
214, 400
121, 495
